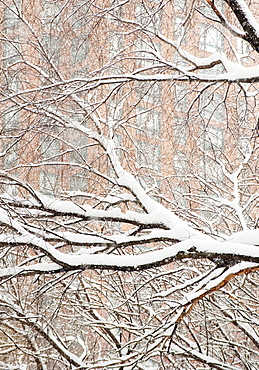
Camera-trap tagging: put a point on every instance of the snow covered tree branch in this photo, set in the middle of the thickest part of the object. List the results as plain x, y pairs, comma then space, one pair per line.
129, 184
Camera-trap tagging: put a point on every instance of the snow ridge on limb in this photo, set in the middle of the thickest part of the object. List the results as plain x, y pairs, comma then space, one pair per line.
247, 21
192, 248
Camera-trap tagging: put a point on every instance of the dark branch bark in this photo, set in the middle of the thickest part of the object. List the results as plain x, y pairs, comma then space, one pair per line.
251, 34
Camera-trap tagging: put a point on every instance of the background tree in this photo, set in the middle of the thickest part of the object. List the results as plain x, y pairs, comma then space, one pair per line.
129, 185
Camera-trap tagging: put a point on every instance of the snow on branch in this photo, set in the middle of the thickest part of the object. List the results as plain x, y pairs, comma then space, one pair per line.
228, 251
247, 21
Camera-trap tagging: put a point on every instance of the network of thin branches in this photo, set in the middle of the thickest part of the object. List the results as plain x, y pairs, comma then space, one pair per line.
129, 185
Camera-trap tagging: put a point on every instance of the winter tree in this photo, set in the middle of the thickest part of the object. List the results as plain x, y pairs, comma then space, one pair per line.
129, 184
